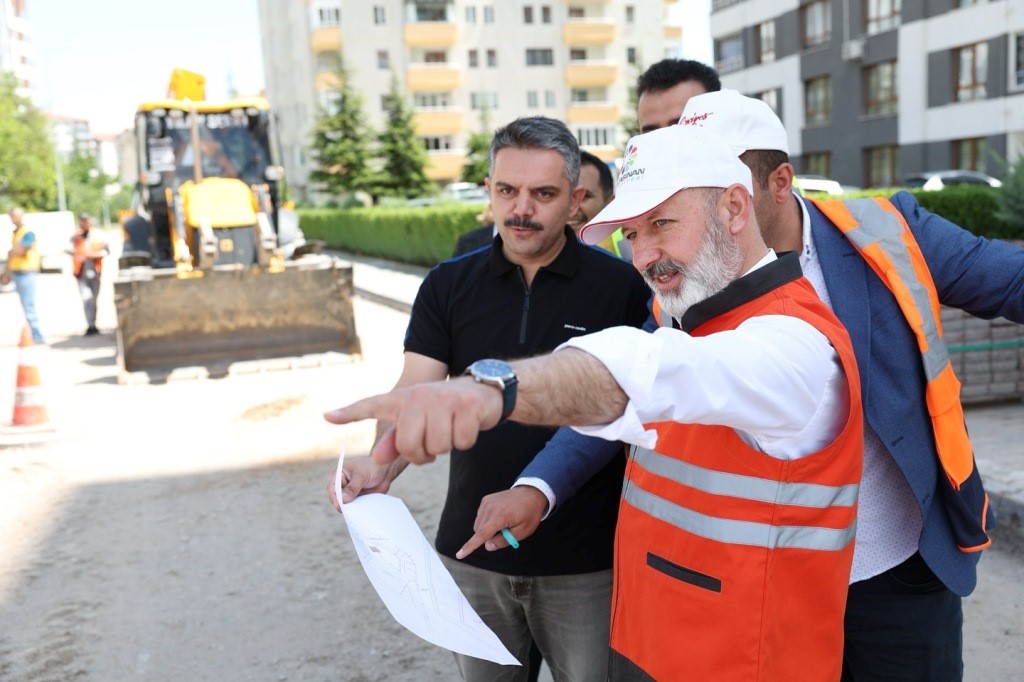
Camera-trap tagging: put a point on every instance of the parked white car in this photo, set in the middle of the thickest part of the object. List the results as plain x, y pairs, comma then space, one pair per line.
936, 180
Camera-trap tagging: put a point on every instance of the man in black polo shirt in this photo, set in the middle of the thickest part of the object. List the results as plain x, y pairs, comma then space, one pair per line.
538, 286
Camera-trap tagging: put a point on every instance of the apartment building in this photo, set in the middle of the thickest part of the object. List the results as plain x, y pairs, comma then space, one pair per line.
16, 53
575, 61
871, 91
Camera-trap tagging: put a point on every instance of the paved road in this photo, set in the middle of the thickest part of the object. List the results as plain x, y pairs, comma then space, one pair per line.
191, 458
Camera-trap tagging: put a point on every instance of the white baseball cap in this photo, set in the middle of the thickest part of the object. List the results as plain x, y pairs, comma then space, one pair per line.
745, 122
657, 165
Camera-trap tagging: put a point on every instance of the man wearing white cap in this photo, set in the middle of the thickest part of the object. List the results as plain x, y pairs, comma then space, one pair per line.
735, 529
923, 512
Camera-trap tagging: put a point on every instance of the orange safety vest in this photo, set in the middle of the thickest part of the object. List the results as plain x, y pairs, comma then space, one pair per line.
731, 564
79, 255
881, 235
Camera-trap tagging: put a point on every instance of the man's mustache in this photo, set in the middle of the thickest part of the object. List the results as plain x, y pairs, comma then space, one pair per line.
662, 267
521, 222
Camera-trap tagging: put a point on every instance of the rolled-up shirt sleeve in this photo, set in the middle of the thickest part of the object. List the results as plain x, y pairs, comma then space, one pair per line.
769, 379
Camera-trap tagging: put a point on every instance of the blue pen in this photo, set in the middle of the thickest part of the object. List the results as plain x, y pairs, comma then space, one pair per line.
511, 539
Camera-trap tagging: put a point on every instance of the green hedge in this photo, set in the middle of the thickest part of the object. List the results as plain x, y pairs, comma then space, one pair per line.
973, 208
423, 235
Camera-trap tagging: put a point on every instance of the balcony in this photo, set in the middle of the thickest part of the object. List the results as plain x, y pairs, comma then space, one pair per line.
592, 112
591, 73
445, 121
431, 34
590, 31
436, 77
326, 80
673, 32
445, 166
325, 40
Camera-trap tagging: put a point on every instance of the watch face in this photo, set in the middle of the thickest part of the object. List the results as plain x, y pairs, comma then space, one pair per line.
492, 369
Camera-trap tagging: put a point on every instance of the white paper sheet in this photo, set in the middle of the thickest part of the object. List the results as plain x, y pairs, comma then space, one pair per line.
411, 580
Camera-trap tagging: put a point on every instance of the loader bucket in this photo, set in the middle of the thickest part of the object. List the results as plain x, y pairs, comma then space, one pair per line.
233, 313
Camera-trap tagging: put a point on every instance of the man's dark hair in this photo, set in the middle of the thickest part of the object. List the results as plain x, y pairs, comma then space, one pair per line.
669, 73
539, 132
762, 162
604, 173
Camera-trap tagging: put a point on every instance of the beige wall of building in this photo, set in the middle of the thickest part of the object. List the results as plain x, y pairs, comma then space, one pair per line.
574, 61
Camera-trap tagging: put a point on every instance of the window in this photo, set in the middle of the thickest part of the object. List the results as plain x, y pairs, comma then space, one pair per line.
329, 17
330, 100
596, 136
431, 100
969, 154
630, 14
383, 59
970, 65
471, 15
577, 54
540, 57
816, 20
437, 143
531, 99
479, 100
964, 3
579, 95
766, 42
378, 14
577, 12
545, 14
492, 58
528, 14
474, 59
882, 15
881, 164
818, 163
549, 98
771, 98
880, 89
818, 100
431, 11
729, 52
435, 57
1017, 74
488, 14
631, 55
385, 103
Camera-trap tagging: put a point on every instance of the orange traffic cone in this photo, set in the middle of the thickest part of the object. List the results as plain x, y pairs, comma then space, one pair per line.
29, 408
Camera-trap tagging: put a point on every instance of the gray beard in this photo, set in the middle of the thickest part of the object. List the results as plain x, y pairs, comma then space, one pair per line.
716, 264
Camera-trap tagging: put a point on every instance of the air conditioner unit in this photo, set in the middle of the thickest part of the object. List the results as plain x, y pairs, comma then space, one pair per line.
853, 49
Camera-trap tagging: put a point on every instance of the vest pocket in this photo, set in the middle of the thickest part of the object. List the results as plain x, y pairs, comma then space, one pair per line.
678, 572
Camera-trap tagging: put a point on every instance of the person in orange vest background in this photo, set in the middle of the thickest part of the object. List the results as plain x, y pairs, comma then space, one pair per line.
87, 253
23, 263
736, 524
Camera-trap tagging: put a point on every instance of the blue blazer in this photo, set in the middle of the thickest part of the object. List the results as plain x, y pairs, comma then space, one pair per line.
982, 277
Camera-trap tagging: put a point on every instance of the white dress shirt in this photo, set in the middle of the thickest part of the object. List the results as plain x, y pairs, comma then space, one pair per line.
888, 518
775, 379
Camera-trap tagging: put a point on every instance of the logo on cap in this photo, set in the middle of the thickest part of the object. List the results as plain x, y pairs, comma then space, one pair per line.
628, 159
695, 119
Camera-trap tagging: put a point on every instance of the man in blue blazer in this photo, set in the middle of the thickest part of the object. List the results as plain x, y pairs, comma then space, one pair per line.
904, 617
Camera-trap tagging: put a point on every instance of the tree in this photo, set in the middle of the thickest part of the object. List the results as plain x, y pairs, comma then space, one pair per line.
27, 170
628, 122
403, 172
1011, 196
84, 184
341, 143
478, 150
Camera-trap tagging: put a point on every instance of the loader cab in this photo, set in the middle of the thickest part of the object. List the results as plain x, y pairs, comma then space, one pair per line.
233, 140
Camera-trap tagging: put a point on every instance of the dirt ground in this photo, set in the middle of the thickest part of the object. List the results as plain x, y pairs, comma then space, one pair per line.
181, 531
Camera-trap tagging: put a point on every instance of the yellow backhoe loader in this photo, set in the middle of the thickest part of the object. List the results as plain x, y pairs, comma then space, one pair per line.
215, 268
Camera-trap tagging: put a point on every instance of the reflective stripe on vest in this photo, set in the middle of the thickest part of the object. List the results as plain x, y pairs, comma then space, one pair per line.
881, 235
742, 532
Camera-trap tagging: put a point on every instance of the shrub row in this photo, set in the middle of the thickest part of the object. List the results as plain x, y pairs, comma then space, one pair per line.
425, 235
422, 235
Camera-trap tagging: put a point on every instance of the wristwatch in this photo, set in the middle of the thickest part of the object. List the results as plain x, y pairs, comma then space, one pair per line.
500, 374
